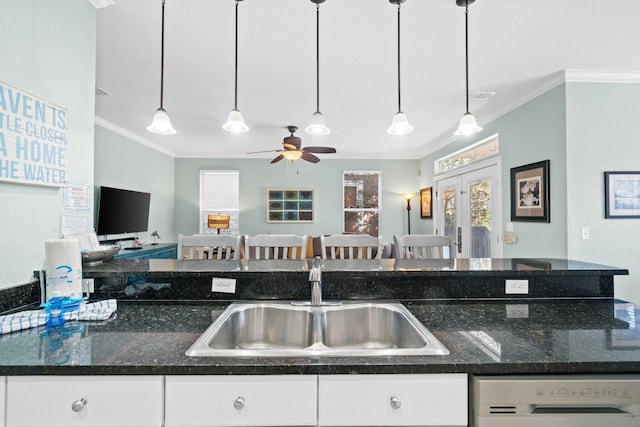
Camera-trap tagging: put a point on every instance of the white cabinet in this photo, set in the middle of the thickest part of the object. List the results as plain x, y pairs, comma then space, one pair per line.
68, 401
3, 381
263, 400
392, 400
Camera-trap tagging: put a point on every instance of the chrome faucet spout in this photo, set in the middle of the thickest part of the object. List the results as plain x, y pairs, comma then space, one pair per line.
315, 277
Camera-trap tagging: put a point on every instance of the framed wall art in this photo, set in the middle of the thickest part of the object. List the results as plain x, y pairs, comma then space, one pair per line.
622, 194
425, 202
530, 187
290, 205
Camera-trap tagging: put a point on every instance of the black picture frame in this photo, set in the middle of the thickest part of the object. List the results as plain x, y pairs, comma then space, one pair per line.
426, 205
530, 189
622, 194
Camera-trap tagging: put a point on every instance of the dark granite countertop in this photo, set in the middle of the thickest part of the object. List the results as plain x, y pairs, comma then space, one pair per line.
484, 337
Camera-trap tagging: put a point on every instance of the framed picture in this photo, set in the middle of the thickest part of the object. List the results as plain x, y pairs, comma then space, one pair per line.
622, 194
530, 192
425, 203
290, 205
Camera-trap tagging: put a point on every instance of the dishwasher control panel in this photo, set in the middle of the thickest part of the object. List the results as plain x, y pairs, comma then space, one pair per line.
545, 400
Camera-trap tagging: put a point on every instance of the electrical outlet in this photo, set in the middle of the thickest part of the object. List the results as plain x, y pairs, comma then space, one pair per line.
585, 233
87, 286
516, 287
517, 311
227, 286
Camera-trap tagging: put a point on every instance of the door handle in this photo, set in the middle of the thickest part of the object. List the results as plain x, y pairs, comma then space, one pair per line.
459, 243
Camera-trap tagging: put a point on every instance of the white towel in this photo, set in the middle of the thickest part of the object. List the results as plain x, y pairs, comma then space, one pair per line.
100, 310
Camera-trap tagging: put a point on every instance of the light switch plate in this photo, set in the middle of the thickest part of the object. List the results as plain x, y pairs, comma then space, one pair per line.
516, 287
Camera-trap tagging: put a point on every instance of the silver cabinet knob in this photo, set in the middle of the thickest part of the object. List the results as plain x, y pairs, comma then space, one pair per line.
78, 405
239, 403
395, 402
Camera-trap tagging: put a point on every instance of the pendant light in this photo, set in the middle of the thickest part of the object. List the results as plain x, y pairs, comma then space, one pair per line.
468, 124
161, 123
235, 122
317, 126
400, 123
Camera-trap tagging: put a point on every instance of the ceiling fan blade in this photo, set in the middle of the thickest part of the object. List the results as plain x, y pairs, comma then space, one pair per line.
277, 159
309, 157
319, 149
266, 151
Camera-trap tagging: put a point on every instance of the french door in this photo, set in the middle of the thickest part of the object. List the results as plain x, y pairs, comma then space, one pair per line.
469, 209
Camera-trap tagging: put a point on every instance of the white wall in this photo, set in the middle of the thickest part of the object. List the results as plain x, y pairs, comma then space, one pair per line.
602, 135
48, 50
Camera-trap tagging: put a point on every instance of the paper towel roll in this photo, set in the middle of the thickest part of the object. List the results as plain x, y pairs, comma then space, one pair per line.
63, 268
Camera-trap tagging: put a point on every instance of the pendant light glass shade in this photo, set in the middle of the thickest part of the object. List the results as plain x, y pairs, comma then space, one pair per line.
161, 123
468, 124
400, 125
317, 126
292, 154
235, 121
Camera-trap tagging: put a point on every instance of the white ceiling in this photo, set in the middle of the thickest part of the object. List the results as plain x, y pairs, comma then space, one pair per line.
518, 49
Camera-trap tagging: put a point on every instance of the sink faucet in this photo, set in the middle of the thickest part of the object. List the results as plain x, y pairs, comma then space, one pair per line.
315, 277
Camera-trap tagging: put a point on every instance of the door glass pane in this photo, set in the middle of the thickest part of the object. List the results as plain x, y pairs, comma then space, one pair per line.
449, 208
480, 214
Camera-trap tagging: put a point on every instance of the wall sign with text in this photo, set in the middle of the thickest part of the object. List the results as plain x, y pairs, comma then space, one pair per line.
33, 139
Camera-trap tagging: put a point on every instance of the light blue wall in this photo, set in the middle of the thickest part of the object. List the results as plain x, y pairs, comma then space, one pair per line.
530, 133
325, 178
123, 163
602, 135
48, 49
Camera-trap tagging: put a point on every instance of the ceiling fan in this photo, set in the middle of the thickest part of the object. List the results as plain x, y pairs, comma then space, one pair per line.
293, 149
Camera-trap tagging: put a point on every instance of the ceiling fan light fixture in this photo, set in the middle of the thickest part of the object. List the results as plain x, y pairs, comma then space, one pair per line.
235, 123
468, 125
318, 126
292, 154
161, 123
400, 125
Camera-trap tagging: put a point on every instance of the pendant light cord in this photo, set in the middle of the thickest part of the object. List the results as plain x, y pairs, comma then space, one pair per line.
235, 96
399, 96
317, 57
466, 48
162, 59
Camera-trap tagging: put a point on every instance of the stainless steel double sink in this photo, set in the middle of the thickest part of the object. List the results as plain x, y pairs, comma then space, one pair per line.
290, 329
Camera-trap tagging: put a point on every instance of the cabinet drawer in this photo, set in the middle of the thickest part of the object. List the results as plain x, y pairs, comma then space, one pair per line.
240, 400
393, 400
108, 401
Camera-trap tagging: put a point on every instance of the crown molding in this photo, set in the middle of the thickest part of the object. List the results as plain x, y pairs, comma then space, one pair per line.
132, 136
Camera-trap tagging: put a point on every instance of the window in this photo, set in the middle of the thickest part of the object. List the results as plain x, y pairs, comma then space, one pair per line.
361, 202
220, 194
481, 150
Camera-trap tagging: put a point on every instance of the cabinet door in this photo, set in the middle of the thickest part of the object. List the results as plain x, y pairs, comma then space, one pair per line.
84, 401
393, 400
262, 400
2, 400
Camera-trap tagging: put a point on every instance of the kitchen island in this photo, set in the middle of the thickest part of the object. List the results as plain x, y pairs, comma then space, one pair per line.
568, 322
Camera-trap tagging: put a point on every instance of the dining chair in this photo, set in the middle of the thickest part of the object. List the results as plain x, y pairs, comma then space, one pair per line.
275, 246
209, 246
423, 246
351, 246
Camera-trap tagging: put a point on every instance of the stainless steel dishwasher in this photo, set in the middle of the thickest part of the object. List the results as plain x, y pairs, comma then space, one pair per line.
550, 401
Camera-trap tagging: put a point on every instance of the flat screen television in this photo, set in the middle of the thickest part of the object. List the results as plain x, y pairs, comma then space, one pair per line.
122, 211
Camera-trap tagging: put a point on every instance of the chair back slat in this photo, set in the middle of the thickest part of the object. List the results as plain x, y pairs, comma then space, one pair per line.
209, 247
275, 246
351, 246
425, 246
